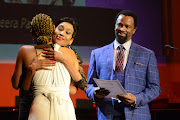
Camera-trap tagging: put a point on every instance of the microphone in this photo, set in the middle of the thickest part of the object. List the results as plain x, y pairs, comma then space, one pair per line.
168, 46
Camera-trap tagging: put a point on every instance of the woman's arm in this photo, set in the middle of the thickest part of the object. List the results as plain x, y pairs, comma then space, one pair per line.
30, 73
68, 58
25, 58
73, 88
18, 69
73, 66
82, 84
33, 67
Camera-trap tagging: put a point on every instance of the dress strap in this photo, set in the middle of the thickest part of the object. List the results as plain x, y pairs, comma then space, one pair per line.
56, 47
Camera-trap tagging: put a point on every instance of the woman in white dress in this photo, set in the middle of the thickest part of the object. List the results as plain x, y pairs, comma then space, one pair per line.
51, 86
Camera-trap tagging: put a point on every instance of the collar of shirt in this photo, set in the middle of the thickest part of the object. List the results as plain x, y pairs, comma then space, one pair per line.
126, 44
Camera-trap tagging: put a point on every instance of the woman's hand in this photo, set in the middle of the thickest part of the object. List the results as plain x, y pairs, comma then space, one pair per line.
54, 55
41, 64
33, 67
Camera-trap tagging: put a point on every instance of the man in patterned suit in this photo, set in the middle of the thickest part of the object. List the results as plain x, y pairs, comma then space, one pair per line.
139, 75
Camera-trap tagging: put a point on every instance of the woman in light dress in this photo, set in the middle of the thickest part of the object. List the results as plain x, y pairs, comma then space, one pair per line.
51, 85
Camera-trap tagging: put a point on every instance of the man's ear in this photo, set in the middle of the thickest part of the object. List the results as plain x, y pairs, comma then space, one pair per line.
71, 41
134, 30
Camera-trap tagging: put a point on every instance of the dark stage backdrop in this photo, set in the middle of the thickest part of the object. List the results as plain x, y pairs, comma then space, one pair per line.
96, 25
95, 18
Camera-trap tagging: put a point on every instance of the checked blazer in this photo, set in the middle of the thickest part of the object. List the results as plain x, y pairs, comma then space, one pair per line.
141, 79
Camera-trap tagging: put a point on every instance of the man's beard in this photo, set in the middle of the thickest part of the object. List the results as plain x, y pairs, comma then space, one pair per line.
120, 39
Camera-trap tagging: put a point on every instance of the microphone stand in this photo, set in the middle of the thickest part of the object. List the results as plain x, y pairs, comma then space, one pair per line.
168, 46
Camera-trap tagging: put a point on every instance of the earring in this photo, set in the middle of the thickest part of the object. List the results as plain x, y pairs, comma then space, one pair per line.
69, 46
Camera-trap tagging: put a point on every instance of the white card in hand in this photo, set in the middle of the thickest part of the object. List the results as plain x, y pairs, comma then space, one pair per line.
114, 87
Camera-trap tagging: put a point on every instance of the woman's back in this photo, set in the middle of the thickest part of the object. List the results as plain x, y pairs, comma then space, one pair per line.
51, 88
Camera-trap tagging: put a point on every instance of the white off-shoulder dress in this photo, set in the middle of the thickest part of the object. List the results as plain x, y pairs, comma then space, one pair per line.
51, 91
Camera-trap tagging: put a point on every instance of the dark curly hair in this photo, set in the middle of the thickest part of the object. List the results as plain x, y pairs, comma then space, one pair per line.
72, 22
42, 28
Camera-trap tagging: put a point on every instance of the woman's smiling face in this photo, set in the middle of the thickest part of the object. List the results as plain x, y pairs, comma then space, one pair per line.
63, 34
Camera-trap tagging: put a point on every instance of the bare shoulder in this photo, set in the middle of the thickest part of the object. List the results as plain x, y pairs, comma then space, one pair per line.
68, 52
26, 48
27, 53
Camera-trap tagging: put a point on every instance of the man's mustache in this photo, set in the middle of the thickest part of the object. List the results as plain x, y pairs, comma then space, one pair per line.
119, 31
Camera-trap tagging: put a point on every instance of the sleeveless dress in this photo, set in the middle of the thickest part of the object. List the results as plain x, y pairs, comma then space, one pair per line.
51, 94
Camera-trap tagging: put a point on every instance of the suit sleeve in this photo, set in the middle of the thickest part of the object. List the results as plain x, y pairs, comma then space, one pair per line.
91, 74
152, 89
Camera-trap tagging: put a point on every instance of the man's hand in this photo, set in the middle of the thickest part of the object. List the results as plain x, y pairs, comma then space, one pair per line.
101, 92
127, 99
41, 64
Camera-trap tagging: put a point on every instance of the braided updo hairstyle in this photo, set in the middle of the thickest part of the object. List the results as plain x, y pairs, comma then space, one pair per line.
42, 28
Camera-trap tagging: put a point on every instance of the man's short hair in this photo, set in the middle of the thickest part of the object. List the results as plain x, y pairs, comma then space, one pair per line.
128, 13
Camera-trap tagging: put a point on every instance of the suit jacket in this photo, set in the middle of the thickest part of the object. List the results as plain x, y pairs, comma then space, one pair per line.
141, 79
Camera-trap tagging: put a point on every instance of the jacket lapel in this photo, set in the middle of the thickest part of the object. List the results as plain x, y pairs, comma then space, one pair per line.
110, 59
